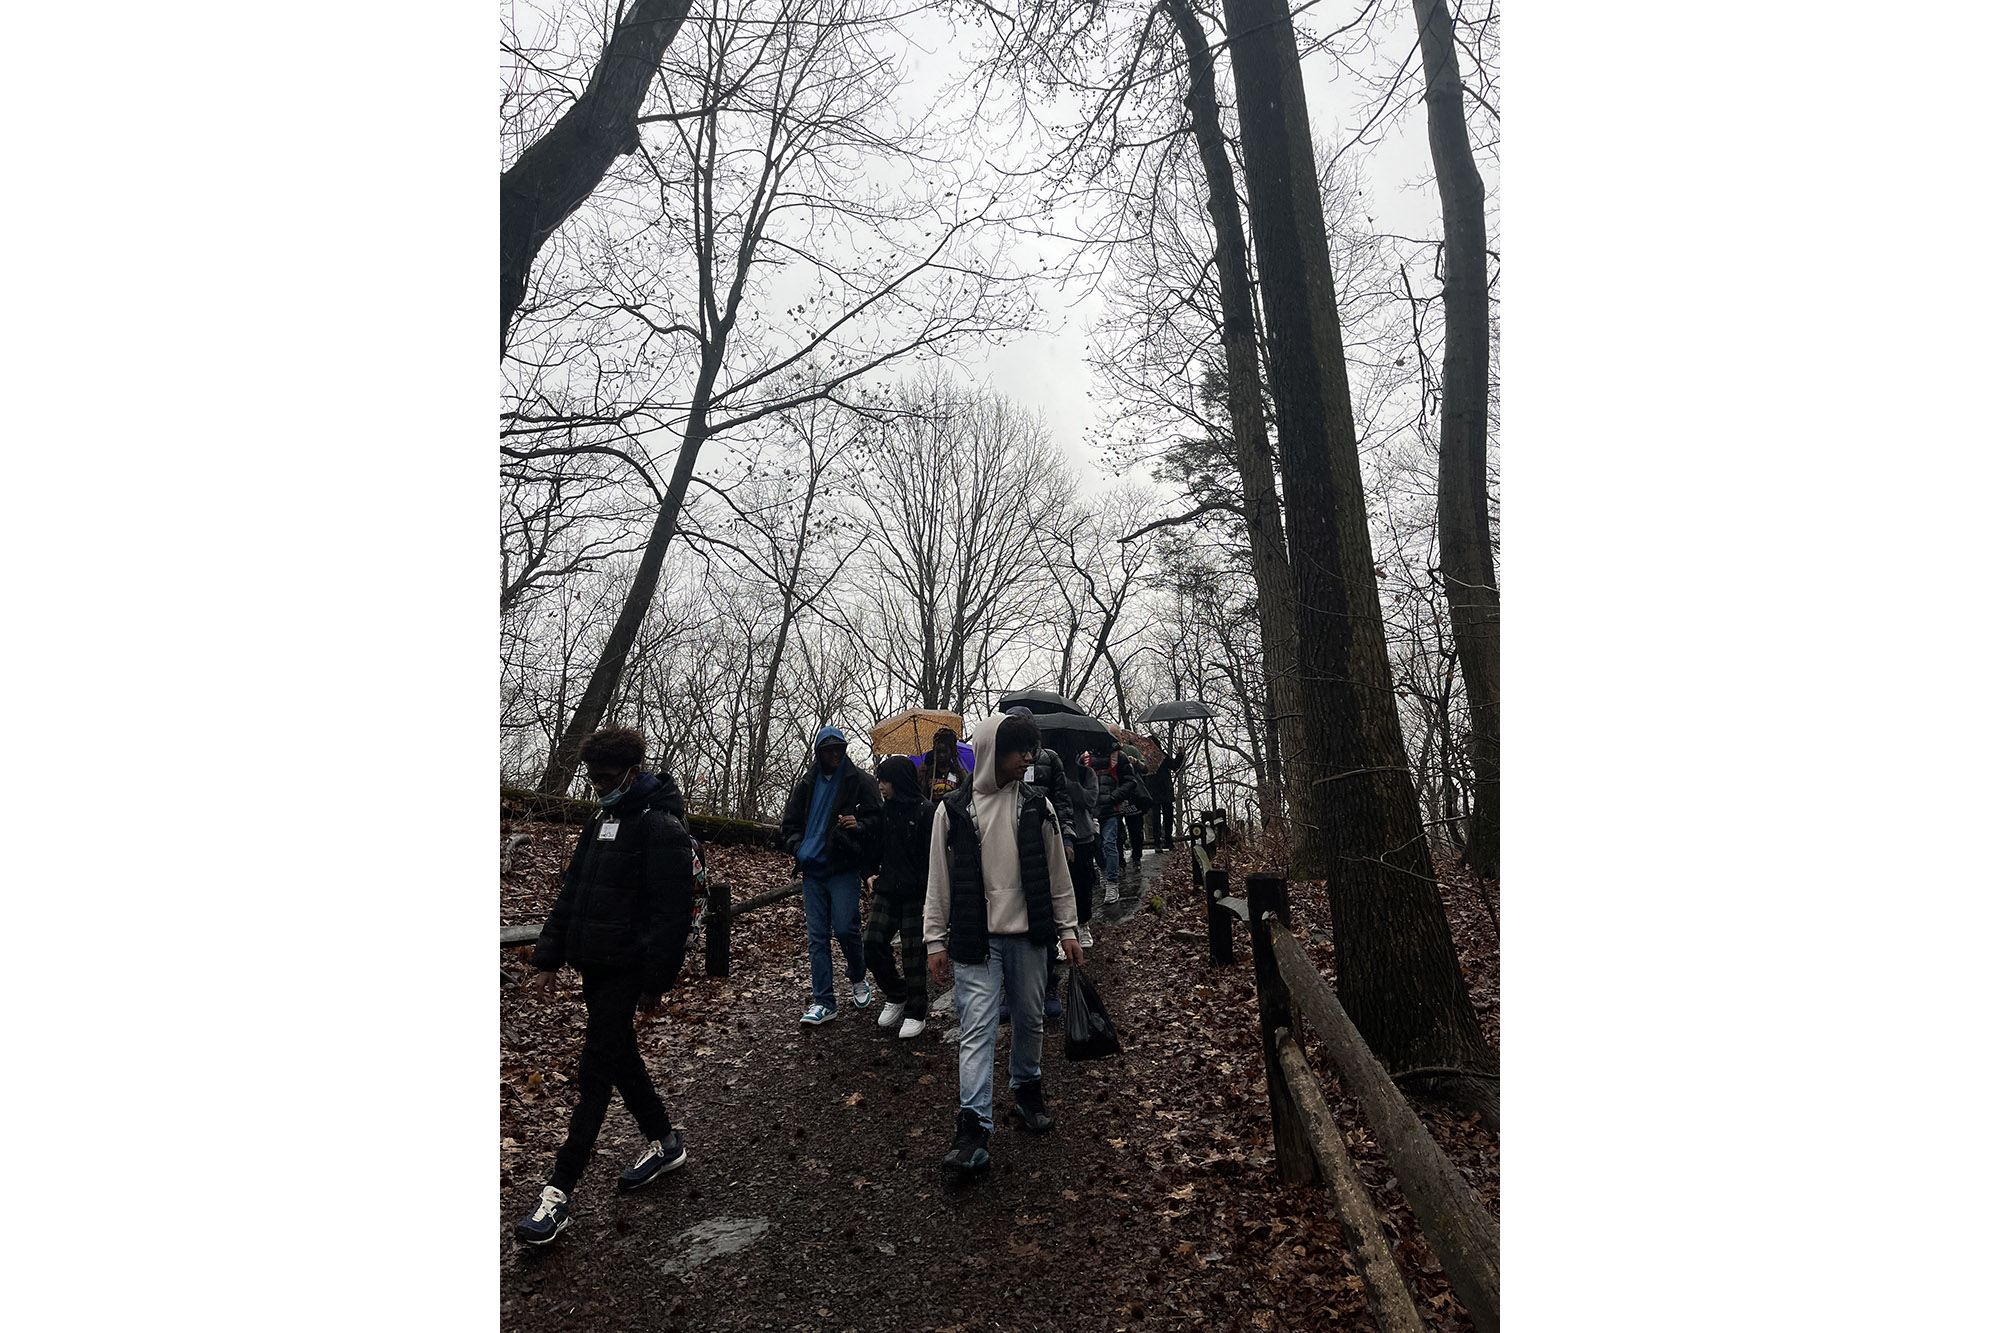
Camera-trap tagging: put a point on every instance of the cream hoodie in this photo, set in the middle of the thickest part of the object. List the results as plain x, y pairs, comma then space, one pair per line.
995, 812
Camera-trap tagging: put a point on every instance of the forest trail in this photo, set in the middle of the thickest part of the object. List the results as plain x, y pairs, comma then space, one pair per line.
812, 1198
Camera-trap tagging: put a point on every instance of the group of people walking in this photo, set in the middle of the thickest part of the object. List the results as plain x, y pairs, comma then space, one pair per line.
986, 875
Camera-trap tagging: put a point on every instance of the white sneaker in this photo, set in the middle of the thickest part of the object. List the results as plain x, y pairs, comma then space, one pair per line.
864, 994
911, 1027
891, 1015
1083, 940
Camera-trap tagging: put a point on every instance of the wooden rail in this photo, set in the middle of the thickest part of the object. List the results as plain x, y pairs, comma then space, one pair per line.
1461, 1231
720, 911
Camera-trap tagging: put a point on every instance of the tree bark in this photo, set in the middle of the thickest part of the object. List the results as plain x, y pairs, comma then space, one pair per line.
1398, 968
559, 170
1277, 615
590, 708
1465, 537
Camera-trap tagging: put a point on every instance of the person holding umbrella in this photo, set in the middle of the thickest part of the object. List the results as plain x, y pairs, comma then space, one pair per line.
1160, 783
942, 772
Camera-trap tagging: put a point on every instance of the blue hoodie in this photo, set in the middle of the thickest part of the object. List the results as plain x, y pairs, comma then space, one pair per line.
819, 816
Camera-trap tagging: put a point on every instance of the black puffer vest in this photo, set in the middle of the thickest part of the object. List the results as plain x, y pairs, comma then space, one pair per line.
965, 936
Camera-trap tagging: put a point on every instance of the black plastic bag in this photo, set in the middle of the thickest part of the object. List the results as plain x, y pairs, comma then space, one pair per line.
1087, 1030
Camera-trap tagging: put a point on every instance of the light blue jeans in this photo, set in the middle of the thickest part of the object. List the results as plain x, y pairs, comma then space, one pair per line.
1110, 851
833, 909
1021, 968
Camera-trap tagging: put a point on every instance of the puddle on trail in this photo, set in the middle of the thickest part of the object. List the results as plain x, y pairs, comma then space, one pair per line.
705, 1240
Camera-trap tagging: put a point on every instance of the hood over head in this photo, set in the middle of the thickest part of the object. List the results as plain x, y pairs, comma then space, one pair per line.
985, 766
901, 775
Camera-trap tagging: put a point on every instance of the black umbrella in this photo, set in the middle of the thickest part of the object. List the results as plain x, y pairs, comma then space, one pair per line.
1039, 701
1073, 725
1178, 710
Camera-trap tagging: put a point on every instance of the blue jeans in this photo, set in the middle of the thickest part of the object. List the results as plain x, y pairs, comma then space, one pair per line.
833, 907
1110, 853
1021, 967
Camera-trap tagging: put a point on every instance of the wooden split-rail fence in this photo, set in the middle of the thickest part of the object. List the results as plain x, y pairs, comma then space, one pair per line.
1310, 1147
717, 911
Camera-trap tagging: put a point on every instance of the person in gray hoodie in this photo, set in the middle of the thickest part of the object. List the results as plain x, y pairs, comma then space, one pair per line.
999, 894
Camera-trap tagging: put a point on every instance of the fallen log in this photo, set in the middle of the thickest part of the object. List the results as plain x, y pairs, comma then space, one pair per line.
1388, 1297
1461, 1232
515, 936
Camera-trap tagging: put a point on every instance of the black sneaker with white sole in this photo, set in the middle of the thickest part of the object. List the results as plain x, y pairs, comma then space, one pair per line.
968, 1158
661, 1156
549, 1220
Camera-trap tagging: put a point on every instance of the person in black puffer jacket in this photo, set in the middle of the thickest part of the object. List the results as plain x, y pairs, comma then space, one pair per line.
621, 921
898, 904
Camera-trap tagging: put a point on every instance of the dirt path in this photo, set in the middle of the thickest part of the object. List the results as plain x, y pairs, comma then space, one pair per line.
812, 1197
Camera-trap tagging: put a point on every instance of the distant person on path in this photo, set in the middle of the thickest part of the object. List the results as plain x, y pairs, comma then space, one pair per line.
831, 825
1083, 866
1142, 800
622, 922
1047, 775
942, 771
1160, 783
898, 901
1118, 790
999, 894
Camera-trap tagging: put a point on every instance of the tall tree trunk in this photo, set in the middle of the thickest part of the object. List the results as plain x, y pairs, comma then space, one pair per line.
1465, 537
760, 727
590, 708
1277, 615
559, 170
1399, 975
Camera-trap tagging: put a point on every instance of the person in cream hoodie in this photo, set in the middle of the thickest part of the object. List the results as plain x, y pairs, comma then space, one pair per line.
998, 896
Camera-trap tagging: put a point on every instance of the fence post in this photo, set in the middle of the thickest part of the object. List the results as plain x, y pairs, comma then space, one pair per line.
1268, 901
1221, 942
717, 916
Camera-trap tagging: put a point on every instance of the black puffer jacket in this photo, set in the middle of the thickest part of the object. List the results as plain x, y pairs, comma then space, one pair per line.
628, 895
1120, 796
906, 832
1051, 780
847, 850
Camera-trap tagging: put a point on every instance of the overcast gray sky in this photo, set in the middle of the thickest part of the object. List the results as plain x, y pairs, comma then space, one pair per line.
1048, 370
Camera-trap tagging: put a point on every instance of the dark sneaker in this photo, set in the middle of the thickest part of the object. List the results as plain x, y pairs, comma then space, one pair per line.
660, 1157
549, 1220
1031, 1110
968, 1158
1051, 1001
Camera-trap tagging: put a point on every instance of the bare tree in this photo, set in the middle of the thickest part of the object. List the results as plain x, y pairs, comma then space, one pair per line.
962, 489
773, 173
1465, 540
1399, 975
785, 526
558, 171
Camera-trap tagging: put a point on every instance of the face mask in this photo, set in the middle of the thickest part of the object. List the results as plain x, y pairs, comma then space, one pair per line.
612, 798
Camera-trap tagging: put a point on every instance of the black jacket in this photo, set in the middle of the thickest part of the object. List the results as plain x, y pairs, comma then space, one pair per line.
1160, 782
628, 898
1128, 796
906, 833
1051, 781
847, 850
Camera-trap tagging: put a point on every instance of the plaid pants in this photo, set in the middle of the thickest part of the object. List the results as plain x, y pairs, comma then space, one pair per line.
886, 917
